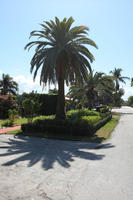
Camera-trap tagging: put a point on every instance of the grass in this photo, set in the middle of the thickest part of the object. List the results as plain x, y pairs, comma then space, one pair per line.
104, 132
20, 121
100, 136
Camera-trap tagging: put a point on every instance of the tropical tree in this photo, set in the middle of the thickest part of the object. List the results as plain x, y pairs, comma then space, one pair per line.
8, 85
91, 91
130, 101
116, 74
117, 77
62, 55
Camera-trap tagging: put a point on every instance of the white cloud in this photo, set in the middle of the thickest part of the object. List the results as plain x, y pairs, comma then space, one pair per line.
0, 72
128, 92
26, 84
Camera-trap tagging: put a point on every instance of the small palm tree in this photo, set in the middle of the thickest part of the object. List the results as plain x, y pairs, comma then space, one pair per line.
62, 56
116, 74
7, 85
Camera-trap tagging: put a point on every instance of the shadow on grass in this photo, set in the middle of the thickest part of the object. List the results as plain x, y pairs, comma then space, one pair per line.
49, 151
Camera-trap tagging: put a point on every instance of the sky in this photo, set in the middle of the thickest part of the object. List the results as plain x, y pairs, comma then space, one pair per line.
110, 24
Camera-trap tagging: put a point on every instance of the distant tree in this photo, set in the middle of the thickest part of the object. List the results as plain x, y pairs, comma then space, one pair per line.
62, 54
130, 101
117, 77
116, 74
118, 97
53, 91
91, 91
8, 85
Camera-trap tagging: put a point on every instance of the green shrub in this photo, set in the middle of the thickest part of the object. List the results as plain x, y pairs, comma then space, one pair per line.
90, 120
5, 105
47, 103
29, 109
6, 123
84, 126
104, 109
77, 114
13, 115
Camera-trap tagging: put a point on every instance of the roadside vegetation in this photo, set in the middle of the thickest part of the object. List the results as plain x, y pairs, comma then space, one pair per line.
100, 136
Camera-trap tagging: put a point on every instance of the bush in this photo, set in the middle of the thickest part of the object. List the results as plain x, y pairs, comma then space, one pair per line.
90, 120
29, 109
13, 114
85, 126
47, 103
77, 114
5, 105
104, 109
6, 123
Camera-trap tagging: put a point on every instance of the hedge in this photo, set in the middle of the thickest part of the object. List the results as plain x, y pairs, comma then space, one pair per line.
47, 103
64, 127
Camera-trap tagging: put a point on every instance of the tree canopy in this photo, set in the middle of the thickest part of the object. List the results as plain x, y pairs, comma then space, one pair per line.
8, 85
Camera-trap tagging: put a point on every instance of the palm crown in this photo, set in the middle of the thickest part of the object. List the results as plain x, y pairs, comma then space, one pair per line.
116, 73
7, 85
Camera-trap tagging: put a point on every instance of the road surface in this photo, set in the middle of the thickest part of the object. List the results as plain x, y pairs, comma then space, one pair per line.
39, 169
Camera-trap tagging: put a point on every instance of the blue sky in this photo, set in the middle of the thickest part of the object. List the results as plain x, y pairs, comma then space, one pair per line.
110, 23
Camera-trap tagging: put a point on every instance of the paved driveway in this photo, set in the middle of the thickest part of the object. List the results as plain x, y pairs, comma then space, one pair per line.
39, 169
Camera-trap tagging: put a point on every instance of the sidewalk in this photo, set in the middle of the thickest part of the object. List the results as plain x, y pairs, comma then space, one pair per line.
5, 130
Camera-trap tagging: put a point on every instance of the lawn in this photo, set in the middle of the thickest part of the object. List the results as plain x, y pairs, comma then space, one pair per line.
20, 121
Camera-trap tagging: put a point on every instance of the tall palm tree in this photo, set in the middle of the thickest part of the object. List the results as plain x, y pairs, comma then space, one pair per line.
116, 74
62, 55
7, 85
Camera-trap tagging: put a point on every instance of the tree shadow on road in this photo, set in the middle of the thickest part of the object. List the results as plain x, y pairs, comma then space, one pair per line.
49, 151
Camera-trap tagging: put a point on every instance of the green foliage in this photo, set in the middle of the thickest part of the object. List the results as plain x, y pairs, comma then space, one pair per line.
62, 55
29, 109
77, 126
53, 91
98, 88
6, 123
77, 114
130, 101
90, 120
5, 105
13, 115
45, 104
7, 85
104, 109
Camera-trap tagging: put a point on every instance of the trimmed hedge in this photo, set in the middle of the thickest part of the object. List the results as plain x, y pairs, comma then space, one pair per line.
82, 127
47, 103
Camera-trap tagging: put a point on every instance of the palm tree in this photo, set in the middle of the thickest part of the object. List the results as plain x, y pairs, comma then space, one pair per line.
116, 74
7, 85
90, 92
62, 56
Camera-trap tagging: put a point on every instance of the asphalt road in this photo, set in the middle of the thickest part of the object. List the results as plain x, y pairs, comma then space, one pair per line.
39, 169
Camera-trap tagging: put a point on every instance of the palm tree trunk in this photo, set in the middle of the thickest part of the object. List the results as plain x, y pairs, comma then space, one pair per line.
60, 109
